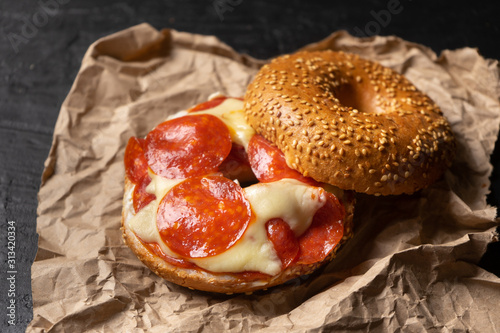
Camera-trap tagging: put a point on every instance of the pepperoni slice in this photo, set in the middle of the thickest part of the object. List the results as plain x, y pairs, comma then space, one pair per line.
141, 198
188, 146
268, 162
203, 216
208, 104
156, 249
214, 102
136, 165
324, 234
284, 241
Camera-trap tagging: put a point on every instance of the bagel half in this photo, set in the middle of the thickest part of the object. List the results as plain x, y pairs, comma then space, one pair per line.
350, 122
240, 281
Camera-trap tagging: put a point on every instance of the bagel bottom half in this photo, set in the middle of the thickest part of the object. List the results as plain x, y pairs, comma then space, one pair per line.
219, 282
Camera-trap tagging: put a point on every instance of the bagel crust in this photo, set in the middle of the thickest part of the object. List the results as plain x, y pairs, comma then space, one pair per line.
215, 282
350, 122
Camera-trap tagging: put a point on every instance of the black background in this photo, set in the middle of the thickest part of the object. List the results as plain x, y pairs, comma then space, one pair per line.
42, 44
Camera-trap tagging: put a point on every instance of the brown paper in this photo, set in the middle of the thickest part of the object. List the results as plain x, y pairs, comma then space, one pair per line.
412, 264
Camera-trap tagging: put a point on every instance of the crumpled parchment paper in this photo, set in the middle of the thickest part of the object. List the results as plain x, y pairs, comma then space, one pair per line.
412, 264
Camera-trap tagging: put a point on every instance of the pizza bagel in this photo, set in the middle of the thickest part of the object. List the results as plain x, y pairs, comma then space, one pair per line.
211, 205
235, 195
350, 122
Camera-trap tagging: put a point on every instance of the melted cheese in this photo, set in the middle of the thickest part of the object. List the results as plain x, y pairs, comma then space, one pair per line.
143, 224
288, 199
230, 111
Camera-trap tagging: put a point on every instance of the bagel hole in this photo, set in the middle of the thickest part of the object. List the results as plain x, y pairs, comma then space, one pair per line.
244, 177
358, 97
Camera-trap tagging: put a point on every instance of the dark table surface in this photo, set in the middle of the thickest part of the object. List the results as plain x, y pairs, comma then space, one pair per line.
42, 44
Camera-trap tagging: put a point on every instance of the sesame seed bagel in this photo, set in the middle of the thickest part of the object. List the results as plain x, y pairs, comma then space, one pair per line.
196, 278
350, 122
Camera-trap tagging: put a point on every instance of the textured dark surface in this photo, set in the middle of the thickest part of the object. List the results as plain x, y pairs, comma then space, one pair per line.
42, 44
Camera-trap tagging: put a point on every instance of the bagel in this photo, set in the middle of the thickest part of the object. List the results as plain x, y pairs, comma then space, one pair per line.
233, 195
211, 205
350, 122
